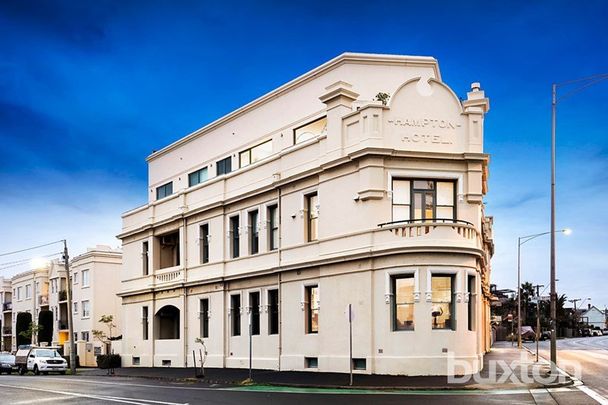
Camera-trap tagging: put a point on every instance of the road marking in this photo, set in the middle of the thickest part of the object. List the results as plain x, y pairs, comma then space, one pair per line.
38, 400
542, 396
593, 394
133, 401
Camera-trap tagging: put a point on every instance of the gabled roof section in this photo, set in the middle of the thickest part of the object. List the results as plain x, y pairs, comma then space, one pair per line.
347, 57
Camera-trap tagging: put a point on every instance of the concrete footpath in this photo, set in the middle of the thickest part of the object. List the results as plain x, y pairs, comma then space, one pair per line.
505, 367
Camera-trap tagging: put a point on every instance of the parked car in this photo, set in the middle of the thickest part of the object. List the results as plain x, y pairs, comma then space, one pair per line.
40, 360
546, 335
7, 363
527, 333
596, 332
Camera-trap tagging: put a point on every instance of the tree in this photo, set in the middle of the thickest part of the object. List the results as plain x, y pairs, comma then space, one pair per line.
32, 330
382, 97
528, 316
108, 320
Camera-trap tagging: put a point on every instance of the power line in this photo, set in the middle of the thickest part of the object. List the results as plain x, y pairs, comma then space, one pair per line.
18, 263
30, 248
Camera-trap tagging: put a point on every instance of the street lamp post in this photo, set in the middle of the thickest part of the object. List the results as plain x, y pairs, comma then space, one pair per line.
589, 81
520, 241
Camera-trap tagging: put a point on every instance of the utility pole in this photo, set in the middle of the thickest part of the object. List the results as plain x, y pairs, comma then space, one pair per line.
66, 260
574, 301
552, 261
519, 293
538, 286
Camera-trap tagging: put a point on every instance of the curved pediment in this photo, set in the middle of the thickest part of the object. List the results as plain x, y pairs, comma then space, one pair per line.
426, 115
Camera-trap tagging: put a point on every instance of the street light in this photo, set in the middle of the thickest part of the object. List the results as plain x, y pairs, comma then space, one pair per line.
589, 81
520, 241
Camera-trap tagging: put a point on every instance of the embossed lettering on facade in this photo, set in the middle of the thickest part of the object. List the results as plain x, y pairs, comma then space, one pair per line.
419, 125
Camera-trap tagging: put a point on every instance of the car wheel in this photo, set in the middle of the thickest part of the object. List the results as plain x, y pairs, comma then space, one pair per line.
21, 370
36, 371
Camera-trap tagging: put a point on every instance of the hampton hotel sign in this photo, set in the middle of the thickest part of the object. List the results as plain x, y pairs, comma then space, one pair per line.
425, 130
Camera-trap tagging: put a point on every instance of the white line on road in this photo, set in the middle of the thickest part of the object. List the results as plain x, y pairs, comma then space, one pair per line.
38, 400
593, 394
133, 401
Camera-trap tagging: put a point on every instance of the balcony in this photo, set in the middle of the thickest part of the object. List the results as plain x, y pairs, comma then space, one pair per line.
436, 233
7, 330
43, 300
169, 277
63, 295
7, 306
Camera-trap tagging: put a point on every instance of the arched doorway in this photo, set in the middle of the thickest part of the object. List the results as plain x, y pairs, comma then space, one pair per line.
166, 322
24, 319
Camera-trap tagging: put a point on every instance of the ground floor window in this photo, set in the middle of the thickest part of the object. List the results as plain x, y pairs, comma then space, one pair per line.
235, 315
273, 312
312, 309
204, 318
442, 287
403, 302
254, 307
471, 305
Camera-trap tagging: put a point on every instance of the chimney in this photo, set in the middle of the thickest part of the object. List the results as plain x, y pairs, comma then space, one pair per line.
588, 306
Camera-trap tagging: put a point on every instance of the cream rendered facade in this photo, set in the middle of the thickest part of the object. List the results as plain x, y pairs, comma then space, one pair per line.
30, 296
6, 303
305, 222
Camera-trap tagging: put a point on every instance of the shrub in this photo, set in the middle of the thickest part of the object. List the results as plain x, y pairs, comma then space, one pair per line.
105, 361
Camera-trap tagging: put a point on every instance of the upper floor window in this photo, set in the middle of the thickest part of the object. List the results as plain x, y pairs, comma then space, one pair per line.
310, 130
164, 191
273, 227
169, 255
75, 278
254, 238
85, 278
204, 243
256, 153
234, 236
197, 177
423, 200
28, 291
442, 287
224, 166
86, 309
145, 249
312, 217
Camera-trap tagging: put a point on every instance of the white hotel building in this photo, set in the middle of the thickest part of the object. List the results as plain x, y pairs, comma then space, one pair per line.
310, 198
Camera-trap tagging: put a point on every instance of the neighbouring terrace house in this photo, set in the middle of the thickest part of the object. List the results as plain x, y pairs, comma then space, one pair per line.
6, 324
358, 183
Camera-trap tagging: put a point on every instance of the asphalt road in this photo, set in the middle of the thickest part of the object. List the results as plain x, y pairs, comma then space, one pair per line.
590, 354
30, 389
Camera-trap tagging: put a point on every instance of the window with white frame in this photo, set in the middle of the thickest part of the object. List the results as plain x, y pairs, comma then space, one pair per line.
443, 310
28, 291
86, 309
75, 307
256, 153
402, 290
423, 200
85, 278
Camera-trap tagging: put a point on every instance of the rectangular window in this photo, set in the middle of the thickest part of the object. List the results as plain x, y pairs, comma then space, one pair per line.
310, 130
75, 278
442, 287
144, 322
311, 362
85, 278
136, 361
273, 312
273, 227
471, 306
204, 243
197, 177
85, 336
86, 309
75, 307
359, 364
234, 236
164, 191
28, 291
204, 317
224, 166
169, 250
145, 248
19, 293
235, 315
312, 217
423, 200
312, 309
256, 153
254, 238
254, 307
403, 302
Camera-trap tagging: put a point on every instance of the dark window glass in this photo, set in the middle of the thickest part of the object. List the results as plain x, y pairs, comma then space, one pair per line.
312, 309
273, 312
204, 317
253, 232
403, 302
145, 258
254, 307
164, 190
204, 243
471, 306
144, 322
443, 302
197, 177
224, 166
235, 315
234, 236
273, 227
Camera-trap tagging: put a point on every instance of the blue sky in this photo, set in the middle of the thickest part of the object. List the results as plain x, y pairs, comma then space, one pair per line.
89, 89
